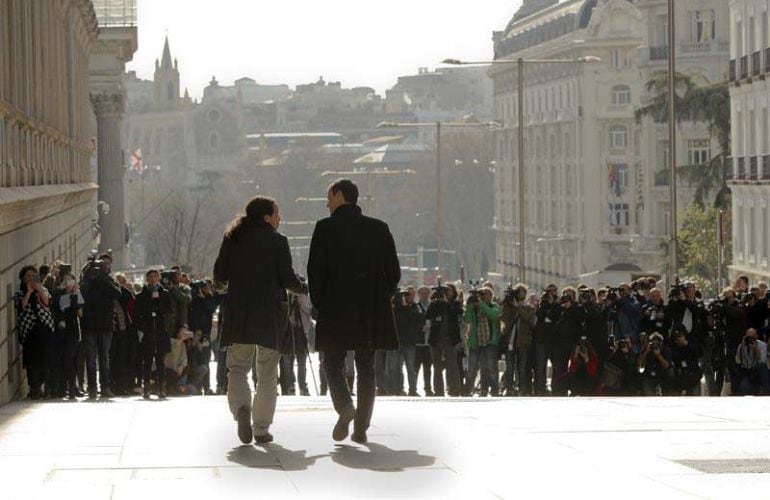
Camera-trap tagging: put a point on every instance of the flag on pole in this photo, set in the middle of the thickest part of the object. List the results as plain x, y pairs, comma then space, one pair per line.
136, 161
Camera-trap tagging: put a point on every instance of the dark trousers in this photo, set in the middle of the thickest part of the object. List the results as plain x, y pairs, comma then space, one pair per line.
541, 368
80, 364
98, 351
524, 366
38, 356
288, 379
484, 359
510, 370
119, 367
405, 355
444, 357
423, 360
334, 366
65, 348
559, 354
206, 355
160, 371
380, 371
222, 372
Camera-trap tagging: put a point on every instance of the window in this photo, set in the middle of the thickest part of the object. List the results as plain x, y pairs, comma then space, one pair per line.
699, 152
619, 214
621, 94
214, 116
618, 137
618, 178
618, 59
702, 26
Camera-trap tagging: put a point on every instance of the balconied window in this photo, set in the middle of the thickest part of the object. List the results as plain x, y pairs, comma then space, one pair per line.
619, 215
756, 63
621, 94
698, 152
618, 137
744, 67
732, 69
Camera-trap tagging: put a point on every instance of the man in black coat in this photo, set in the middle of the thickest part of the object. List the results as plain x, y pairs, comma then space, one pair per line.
353, 271
100, 292
255, 263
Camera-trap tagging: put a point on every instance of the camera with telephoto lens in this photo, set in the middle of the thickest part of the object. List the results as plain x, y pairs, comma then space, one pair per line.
613, 293
585, 296
474, 293
400, 295
656, 343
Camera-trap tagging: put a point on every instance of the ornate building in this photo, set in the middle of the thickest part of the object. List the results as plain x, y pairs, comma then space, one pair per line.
594, 202
51, 119
750, 172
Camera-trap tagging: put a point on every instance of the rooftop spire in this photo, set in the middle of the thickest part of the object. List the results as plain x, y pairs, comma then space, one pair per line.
166, 60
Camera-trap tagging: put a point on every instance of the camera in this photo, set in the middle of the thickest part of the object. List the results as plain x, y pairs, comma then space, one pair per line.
749, 340
399, 296
168, 277
585, 295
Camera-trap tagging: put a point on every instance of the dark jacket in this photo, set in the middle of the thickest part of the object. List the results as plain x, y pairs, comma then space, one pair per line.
445, 320
201, 314
100, 292
353, 271
66, 316
256, 265
548, 314
150, 318
409, 322
570, 326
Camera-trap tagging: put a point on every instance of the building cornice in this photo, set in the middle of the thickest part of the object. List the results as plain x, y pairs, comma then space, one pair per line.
21, 206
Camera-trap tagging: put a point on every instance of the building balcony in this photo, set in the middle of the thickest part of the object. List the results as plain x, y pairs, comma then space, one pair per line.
732, 70
744, 70
767, 60
115, 13
756, 63
728, 166
740, 174
765, 171
753, 174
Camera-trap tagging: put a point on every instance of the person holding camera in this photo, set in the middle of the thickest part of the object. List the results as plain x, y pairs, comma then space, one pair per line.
735, 324
582, 378
620, 374
482, 320
444, 315
654, 317
518, 319
751, 365
153, 304
202, 307
296, 347
628, 314
686, 358
67, 306
35, 329
100, 292
408, 323
254, 262
655, 362
546, 318
569, 329
423, 357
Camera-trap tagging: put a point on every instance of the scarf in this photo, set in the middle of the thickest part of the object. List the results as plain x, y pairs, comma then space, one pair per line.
483, 330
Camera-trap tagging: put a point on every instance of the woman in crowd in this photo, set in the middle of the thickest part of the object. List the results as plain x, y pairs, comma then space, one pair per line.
67, 305
152, 305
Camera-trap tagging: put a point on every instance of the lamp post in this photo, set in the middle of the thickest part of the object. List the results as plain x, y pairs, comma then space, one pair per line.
672, 247
439, 190
520, 62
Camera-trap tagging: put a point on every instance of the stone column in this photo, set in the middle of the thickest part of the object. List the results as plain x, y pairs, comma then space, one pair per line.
109, 108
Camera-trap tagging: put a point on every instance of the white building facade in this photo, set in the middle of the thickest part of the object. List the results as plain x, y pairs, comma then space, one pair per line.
595, 203
750, 137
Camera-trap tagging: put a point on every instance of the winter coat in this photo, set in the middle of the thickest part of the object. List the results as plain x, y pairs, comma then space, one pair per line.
524, 318
66, 308
444, 313
150, 319
100, 292
256, 265
488, 312
353, 271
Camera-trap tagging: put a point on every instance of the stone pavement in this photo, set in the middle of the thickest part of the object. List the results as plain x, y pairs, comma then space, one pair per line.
506, 448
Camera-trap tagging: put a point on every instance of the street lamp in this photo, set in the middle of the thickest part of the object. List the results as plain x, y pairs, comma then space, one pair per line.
672, 251
520, 62
439, 201
368, 174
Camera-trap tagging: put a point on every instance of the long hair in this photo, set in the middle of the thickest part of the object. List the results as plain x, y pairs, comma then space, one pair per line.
255, 211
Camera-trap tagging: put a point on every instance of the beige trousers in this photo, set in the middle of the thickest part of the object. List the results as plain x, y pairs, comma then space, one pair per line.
239, 357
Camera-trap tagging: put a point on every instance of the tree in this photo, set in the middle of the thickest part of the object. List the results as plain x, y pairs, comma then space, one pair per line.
699, 247
696, 103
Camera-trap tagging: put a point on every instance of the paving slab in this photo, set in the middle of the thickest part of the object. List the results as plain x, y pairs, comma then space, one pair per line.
475, 448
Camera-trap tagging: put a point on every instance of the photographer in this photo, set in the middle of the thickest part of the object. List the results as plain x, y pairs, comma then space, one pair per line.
202, 307
569, 329
654, 318
408, 325
595, 325
517, 339
735, 325
686, 358
180, 302
444, 314
751, 365
153, 305
629, 313
100, 292
655, 362
546, 317
482, 319
124, 342
422, 350
620, 375
582, 378
67, 305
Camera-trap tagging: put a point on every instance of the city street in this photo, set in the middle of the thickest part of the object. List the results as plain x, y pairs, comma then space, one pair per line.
504, 448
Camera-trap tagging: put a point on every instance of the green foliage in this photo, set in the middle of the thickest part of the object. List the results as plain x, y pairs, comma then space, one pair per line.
696, 103
699, 245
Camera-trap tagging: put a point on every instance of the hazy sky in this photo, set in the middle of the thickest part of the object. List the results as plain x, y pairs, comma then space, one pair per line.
358, 42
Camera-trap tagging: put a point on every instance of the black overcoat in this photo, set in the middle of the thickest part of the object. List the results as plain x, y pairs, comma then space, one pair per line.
257, 268
353, 271
150, 318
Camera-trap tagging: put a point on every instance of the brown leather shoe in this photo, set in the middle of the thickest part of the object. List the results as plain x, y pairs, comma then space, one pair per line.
342, 428
264, 439
244, 425
359, 437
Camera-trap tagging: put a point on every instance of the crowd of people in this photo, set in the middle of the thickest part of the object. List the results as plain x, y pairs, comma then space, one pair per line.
99, 335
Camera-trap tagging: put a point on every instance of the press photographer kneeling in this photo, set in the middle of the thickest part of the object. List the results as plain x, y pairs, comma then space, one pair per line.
655, 363
687, 365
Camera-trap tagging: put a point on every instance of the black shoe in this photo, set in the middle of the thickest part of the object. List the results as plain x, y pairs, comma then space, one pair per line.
342, 427
208, 392
79, 393
162, 395
359, 437
245, 434
107, 394
264, 439
429, 393
413, 394
146, 394
323, 392
304, 392
92, 395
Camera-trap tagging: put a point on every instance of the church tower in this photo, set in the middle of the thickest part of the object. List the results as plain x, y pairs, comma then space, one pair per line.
166, 95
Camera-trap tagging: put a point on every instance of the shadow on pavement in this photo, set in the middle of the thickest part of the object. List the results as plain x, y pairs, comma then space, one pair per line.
380, 458
272, 456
